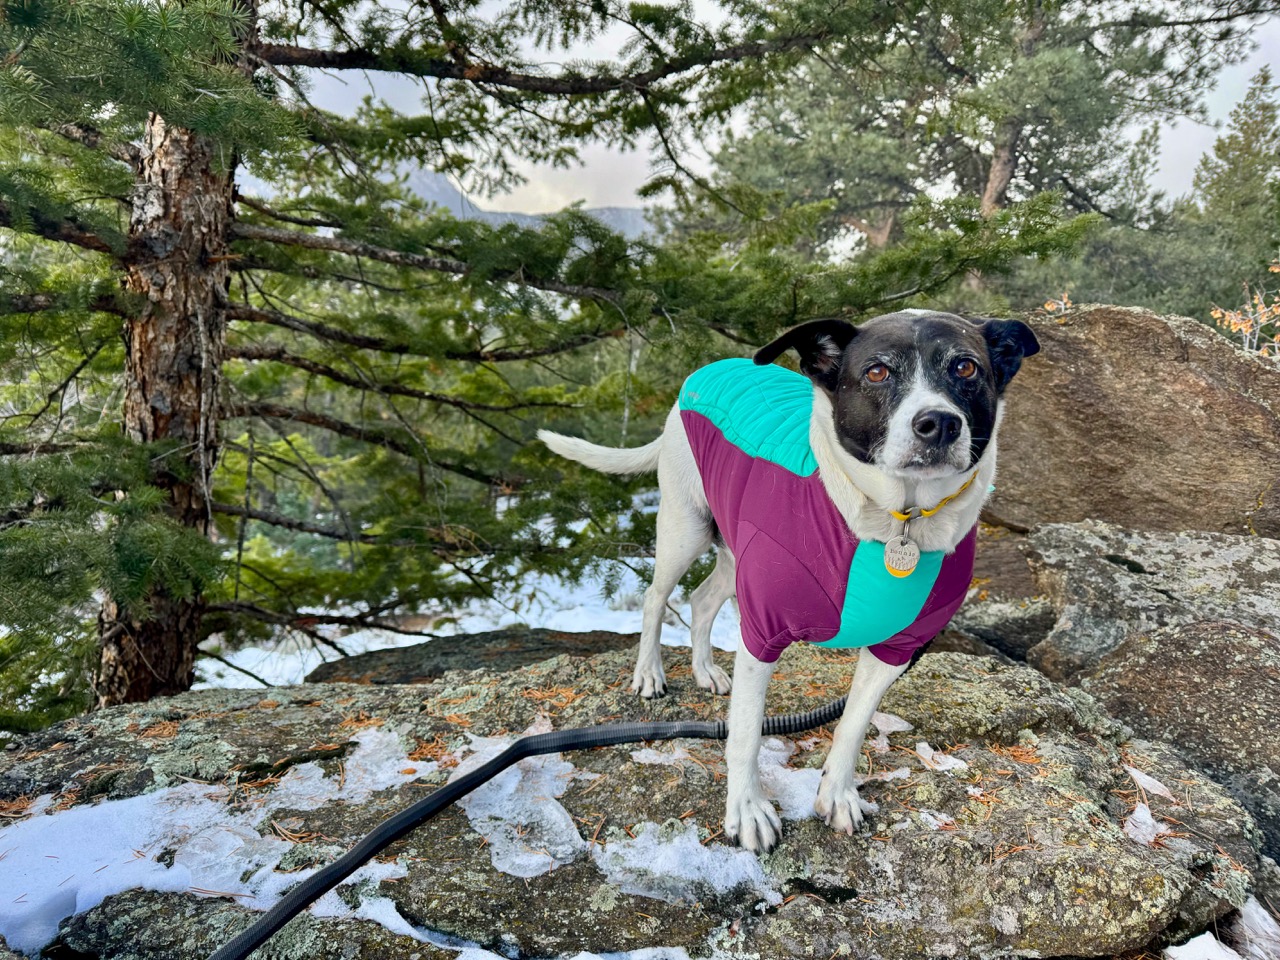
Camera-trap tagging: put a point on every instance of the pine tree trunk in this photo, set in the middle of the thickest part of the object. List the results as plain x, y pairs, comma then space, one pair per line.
182, 208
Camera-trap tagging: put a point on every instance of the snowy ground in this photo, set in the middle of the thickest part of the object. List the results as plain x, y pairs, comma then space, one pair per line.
555, 606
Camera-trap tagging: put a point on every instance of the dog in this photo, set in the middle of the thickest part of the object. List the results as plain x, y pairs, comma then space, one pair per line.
844, 501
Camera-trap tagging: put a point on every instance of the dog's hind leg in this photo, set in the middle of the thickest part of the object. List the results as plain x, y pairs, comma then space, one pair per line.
706, 602
684, 534
837, 801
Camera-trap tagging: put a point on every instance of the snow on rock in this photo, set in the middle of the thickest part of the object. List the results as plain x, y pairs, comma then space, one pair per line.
672, 757
885, 724
1148, 783
1141, 825
938, 761
791, 789
528, 830
670, 863
62, 863
1203, 947
1254, 933
935, 820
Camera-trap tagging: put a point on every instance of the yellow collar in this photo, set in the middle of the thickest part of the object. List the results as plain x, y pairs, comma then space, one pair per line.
913, 513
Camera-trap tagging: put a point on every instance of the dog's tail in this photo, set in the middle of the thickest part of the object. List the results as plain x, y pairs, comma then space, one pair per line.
605, 459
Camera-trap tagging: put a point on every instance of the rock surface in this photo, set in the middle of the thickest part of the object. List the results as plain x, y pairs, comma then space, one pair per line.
1142, 420
498, 650
1107, 583
1213, 688
1022, 850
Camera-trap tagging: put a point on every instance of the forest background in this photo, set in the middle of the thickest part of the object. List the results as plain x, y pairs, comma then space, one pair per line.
266, 367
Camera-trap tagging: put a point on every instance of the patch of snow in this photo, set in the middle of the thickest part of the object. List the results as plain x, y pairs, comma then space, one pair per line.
885, 724
670, 863
1203, 947
1254, 933
672, 757
938, 761
1148, 783
1141, 826
545, 601
62, 863
898, 773
529, 831
791, 789
935, 820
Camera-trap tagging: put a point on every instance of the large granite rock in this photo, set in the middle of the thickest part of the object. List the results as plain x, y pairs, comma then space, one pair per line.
1141, 420
506, 649
1107, 584
1213, 688
1028, 836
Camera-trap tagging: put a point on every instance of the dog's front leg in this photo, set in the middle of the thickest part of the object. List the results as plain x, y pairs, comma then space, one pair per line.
837, 801
749, 819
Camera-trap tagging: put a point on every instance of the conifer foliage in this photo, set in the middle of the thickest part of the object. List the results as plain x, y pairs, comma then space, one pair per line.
250, 382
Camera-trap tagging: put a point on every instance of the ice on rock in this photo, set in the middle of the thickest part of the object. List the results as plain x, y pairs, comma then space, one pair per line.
1148, 783
792, 790
671, 757
529, 831
1141, 826
885, 724
670, 863
938, 761
66, 862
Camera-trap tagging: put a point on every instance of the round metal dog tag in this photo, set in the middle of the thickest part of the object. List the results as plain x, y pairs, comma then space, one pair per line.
901, 554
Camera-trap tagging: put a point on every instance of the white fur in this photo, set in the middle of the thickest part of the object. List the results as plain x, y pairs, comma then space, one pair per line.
863, 493
605, 459
901, 449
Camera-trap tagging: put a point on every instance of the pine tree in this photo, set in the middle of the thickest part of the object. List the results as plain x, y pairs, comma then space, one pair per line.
249, 382
994, 103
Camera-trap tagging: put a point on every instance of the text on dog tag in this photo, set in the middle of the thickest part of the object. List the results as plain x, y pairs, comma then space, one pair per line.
901, 554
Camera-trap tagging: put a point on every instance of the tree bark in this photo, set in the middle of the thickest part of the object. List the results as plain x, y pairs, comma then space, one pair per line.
176, 261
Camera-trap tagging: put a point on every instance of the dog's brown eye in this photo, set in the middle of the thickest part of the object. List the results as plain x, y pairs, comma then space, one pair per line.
878, 374
966, 369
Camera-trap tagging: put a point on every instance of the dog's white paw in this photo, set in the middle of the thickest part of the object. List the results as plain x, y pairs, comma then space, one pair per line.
649, 681
838, 806
751, 822
714, 679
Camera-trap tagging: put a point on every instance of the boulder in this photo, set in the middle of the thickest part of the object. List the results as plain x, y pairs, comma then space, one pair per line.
1212, 687
505, 649
1107, 584
1012, 817
1141, 420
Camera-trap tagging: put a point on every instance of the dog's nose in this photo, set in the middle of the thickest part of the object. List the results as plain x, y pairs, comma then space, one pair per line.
936, 427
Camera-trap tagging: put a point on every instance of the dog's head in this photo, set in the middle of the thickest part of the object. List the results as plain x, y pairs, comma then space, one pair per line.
915, 393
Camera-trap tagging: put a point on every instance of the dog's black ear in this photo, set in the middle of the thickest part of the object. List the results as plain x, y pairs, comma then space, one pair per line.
820, 344
1008, 342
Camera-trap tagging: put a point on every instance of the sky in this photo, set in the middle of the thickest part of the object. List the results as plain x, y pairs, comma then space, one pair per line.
609, 178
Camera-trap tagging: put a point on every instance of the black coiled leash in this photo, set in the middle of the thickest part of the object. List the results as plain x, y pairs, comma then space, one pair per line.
393, 828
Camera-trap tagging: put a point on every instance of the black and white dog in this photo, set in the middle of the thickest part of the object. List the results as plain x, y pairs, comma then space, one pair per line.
899, 441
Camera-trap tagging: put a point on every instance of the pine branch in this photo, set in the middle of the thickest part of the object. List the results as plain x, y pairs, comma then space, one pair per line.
21, 449
267, 211
237, 311
405, 61
418, 261
301, 526
39, 302
227, 663
92, 138
304, 621
280, 355
51, 228
381, 438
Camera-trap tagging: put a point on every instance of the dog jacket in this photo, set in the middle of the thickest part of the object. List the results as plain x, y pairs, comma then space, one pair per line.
801, 573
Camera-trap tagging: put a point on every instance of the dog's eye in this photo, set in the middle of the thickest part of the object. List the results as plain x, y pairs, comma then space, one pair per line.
878, 373
966, 369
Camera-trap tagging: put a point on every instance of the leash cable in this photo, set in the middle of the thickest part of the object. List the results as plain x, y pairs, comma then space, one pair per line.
400, 824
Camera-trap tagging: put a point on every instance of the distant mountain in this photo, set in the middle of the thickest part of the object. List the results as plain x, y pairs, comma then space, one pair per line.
438, 189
